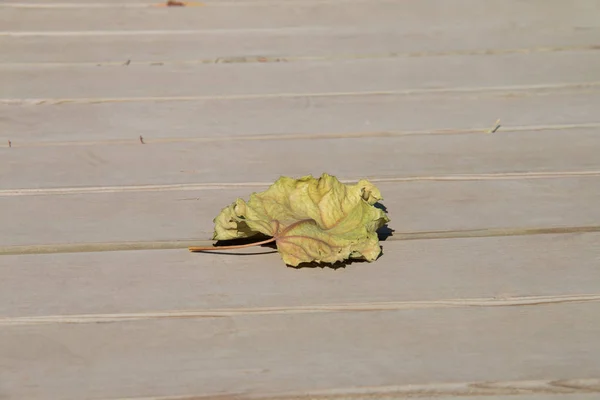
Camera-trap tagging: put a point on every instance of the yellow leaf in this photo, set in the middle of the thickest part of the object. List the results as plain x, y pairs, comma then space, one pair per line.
311, 220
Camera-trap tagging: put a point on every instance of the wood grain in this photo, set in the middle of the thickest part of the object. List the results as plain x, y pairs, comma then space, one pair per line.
300, 116
325, 15
265, 354
147, 281
155, 82
258, 161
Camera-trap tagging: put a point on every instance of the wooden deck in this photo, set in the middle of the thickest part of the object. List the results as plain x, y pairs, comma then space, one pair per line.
488, 289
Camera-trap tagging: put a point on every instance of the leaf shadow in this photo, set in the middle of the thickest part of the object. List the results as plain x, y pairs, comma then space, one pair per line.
385, 231
244, 241
334, 266
231, 253
381, 207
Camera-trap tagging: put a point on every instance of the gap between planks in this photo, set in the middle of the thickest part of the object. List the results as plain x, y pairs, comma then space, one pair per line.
326, 308
184, 244
315, 136
404, 92
290, 58
438, 390
224, 185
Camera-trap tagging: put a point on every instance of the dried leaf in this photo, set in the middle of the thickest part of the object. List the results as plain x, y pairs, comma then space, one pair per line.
311, 220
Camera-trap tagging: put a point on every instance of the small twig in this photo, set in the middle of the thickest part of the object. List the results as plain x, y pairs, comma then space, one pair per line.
9, 143
240, 246
174, 3
496, 127
142, 140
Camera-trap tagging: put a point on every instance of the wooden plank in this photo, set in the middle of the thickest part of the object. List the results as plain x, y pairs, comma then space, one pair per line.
188, 214
257, 355
150, 82
323, 14
265, 161
417, 270
282, 45
26, 125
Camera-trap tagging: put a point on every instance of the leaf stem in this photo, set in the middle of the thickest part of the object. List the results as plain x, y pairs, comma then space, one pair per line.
239, 246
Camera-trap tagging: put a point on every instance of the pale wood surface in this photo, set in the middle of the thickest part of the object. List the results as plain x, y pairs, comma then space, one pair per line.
302, 116
294, 352
117, 282
442, 16
233, 161
340, 76
188, 214
228, 96
283, 44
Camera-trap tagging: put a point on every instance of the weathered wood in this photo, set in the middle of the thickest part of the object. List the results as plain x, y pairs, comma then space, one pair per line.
273, 15
479, 317
285, 44
431, 73
262, 354
185, 214
265, 161
429, 270
28, 125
